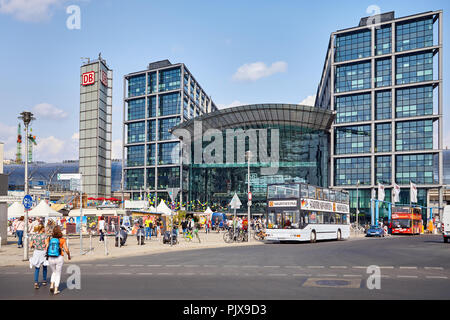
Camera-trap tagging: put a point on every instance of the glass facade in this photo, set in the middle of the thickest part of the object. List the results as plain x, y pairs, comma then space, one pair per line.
417, 101
169, 153
136, 109
134, 179
383, 40
349, 170
151, 154
353, 45
355, 139
383, 139
169, 79
165, 125
151, 101
383, 74
383, 170
168, 177
414, 34
417, 168
169, 104
383, 105
354, 76
136, 86
136, 132
413, 68
151, 130
136, 156
414, 135
152, 83
353, 108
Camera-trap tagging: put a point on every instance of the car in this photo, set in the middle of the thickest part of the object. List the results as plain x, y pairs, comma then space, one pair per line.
375, 231
446, 224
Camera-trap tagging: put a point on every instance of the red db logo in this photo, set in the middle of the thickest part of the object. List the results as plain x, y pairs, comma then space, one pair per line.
88, 78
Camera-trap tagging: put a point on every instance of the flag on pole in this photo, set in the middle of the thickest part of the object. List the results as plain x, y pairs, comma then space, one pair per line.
380, 192
396, 191
413, 192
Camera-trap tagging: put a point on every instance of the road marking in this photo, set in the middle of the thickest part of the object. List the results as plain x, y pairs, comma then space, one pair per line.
173, 265
249, 266
144, 273
302, 275
338, 267
104, 273
101, 265
210, 265
359, 267
277, 274
271, 266
125, 273
118, 265
327, 275
413, 268
387, 267
412, 277
153, 265
293, 267
228, 266
136, 265
436, 277
165, 274
191, 265
13, 273
383, 276
186, 274
315, 267
353, 275
434, 268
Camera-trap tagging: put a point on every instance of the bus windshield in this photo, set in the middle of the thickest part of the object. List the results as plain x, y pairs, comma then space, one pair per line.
401, 223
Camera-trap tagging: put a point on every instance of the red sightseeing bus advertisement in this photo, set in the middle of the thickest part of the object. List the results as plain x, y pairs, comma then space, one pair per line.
406, 220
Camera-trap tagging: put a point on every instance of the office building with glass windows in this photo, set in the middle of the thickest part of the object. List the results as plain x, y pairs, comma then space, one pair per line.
155, 100
384, 81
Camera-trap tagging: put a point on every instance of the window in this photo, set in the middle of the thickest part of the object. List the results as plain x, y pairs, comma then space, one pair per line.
353, 45
151, 178
414, 68
414, 135
152, 83
134, 179
169, 79
383, 76
135, 156
151, 130
350, 170
416, 101
169, 153
354, 139
169, 104
417, 168
136, 109
355, 76
151, 154
165, 125
383, 169
136, 86
168, 177
383, 136
136, 132
415, 34
383, 105
151, 106
383, 39
353, 108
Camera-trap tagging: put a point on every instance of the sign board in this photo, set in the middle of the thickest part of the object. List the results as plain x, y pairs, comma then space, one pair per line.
173, 192
10, 199
88, 78
319, 205
69, 176
104, 78
27, 202
283, 203
235, 202
249, 196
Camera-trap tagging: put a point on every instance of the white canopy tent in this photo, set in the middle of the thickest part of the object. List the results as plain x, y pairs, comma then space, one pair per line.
43, 210
16, 210
152, 209
208, 211
163, 208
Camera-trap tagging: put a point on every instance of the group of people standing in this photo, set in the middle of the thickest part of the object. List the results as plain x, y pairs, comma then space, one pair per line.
49, 248
152, 228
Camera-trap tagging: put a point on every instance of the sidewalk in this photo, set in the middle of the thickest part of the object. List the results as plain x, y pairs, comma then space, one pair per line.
10, 255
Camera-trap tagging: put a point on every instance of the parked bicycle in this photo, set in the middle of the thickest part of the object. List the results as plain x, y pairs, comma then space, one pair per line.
259, 235
238, 235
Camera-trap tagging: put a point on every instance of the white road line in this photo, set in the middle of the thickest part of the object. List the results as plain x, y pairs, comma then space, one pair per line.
434, 268
277, 274
338, 267
383, 276
359, 267
327, 275
271, 266
153, 265
412, 277
316, 267
210, 265
136, 265
387, 267
228, 266
104, 273
12, 273
249, 266
118, 265
207, 274
436, 277
293, 267
173, 265
144, 273
301, 275
185, 274
353, 275
191, 265
413, 268
125, 273
165, 274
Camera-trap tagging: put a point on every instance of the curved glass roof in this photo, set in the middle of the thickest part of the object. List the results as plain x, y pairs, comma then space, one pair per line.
256, 115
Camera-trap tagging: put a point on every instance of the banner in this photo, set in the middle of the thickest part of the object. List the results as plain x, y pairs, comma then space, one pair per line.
413, 192
380, 192
396, 193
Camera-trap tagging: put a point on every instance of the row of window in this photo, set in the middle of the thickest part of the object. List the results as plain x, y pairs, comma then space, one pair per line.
168, 177
409, 35
136, 130
168, 153
410, 102
418, 168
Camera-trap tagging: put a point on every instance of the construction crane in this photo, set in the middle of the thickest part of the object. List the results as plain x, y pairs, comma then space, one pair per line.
19, 146
32, 141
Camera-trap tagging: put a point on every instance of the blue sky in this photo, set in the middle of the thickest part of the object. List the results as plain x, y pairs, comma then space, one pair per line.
223, 43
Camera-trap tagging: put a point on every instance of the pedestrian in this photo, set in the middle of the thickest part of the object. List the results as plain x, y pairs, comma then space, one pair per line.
33, 225
20, 226
56, 246
150, 227
184, 227
196, 228
101, 228
49, 227
37, 241
207, 225
147, 229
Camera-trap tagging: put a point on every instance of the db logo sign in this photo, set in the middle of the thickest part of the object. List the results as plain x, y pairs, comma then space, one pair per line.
88, 78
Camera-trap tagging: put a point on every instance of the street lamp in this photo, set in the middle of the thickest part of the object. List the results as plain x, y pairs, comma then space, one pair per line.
26, 117
248, 154
357, 203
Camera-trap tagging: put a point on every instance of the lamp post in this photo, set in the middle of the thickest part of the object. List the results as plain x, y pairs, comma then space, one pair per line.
26, 117
357, 203
249, 201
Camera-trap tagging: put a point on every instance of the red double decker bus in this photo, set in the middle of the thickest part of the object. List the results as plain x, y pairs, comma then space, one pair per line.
406, 220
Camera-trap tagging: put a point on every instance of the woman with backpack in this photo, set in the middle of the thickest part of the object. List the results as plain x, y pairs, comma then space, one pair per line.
38, 259
56, 246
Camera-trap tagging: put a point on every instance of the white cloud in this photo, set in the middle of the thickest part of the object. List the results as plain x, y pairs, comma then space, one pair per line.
48, 111
231, 105
258, 70
76, 136
309, 101
29, 10
8, 135
51, 149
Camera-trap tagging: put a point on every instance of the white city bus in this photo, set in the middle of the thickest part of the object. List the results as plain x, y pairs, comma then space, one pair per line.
302, 212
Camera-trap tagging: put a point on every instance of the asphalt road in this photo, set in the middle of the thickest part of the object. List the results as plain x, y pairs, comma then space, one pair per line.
410, 268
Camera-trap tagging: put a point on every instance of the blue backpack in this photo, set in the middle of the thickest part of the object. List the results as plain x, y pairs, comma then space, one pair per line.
53, 248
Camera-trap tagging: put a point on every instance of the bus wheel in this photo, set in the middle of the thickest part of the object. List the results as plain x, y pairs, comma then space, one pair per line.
339, 235
313, 237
